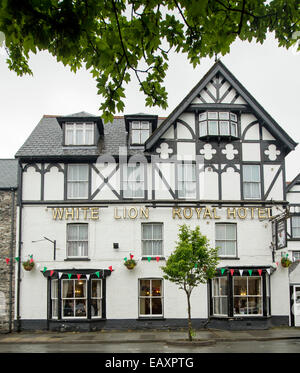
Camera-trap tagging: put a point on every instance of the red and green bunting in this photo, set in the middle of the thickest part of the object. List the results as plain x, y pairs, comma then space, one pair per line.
241, 271
149, 258
78, 275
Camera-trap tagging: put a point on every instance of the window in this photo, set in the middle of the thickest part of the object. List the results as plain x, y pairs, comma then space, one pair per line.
152, 239
220, 292
96, 298
54, 299
150, 297
74, 298
295, 226
226, 239
213, 123
133, 180
251, 181
140, 131
77, 181
247, 295
77, 240
186, 180
296, 255
79, 134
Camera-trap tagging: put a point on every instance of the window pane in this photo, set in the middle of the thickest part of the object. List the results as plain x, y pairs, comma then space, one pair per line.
240, 305
213, 128
79, 137
135, 134
220, 231
224, 115
157, 231
96, 308
147, 248
145, 125
212, 115
233, 117
254, 306
145, 306
222, 247
223, 285
147, 231
68, 288
224, 128
80, 308
233, 129
203, 116
217, 308
156, 306
83, 231
230, 248
156, 288
144, 287
96, 288
135, 125
144, 135
240, 285
203, 128
254, 286
224, 307
69, 137
68, 308
80, 288
230, 231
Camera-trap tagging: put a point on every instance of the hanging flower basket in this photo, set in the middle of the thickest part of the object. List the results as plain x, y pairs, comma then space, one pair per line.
130, 263
28, 265
285, 262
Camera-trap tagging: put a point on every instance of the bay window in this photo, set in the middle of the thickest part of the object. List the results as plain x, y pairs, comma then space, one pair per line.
214, 123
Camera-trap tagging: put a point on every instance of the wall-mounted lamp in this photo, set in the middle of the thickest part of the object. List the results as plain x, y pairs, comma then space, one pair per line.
115, 245
54, 245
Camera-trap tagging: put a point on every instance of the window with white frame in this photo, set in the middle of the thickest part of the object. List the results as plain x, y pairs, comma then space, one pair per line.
226, 240
247, 295
219, 295
295, 221
133, 180
150, 297
79, 133
140, 131
296, 255
251, 181
74, 298
186, 180
77, 181
213, 123
77, 240
152, 239
54, 299
96, 298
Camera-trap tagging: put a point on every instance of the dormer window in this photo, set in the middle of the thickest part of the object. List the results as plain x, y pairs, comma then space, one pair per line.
139, 131
220, 124
79, 133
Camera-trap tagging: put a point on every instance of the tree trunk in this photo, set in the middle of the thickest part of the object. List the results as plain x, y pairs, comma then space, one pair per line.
189, 317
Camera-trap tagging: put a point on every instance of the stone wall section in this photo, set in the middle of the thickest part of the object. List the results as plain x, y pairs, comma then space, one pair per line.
6, 198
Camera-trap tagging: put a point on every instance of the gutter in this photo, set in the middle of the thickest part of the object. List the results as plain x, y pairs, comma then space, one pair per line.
11, 253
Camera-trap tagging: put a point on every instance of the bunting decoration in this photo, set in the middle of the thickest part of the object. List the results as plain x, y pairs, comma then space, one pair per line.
78, 276
131, 256
110, 268
69, 275
149, 258
223, 270
259, 271
51, 273
241, 272
16, 259
157, 259
125, 259
232, 272
45, 269
98, 274
7, 260
250, 271
268, 271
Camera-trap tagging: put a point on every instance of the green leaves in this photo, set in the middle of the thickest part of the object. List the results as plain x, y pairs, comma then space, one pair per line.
118, 39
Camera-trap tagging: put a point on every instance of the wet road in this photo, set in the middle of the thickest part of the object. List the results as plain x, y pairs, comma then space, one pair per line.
279, 346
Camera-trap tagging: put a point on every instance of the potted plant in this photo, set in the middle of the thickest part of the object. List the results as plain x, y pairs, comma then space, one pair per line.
130, 263
28, 265
285, 262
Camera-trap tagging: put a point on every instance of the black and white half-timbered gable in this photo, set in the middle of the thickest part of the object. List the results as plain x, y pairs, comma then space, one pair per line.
93, 195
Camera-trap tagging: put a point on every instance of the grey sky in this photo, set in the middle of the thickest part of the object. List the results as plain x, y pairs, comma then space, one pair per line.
271, 75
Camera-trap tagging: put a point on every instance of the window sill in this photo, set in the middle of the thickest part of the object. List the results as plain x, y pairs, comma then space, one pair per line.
229, 258
153, 257
76, 259
151, 318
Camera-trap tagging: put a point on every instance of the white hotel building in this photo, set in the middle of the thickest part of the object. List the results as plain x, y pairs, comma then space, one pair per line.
92, 194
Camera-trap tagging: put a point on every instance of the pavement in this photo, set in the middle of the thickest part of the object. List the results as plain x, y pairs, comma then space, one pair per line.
202, 337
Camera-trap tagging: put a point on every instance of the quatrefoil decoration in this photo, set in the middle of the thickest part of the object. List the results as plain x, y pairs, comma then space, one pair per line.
208, 151
272, 152
229, 151
164, 150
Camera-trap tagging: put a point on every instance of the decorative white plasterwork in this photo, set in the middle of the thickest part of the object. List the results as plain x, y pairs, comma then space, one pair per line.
208, 151
272, 152
229, 151
164, 150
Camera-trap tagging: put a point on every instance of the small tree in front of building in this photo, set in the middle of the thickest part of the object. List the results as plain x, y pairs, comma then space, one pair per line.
192, 263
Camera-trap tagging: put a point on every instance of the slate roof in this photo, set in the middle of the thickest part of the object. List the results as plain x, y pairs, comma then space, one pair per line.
8, 173
46, 140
